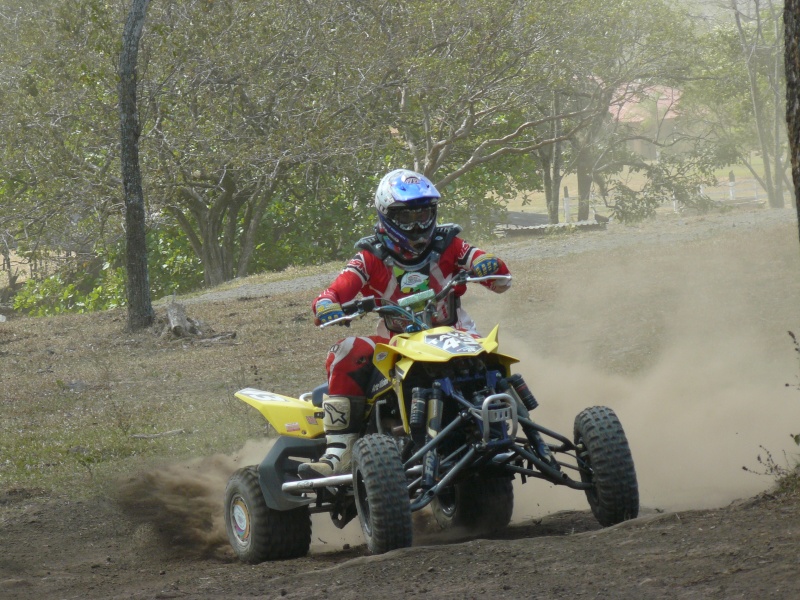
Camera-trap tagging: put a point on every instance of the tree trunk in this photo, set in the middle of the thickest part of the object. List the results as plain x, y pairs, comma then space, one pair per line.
545, 156
791, 19
583, 171
178, 323
255, 212
557, 160
552, 204
550, 159
777, 118
140, 308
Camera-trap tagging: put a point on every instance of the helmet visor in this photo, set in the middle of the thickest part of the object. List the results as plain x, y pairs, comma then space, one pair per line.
409, 219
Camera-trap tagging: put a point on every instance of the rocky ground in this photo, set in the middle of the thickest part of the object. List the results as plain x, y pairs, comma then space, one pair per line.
681, 322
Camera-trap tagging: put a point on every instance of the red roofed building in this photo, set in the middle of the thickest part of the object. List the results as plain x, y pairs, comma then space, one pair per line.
650, 114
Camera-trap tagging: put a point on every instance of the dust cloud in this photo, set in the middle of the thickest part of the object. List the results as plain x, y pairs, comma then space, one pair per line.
689, 346
182, 503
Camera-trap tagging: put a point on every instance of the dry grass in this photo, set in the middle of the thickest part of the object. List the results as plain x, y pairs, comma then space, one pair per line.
76, 388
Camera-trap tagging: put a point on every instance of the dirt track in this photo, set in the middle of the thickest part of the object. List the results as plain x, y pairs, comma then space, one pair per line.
680, 325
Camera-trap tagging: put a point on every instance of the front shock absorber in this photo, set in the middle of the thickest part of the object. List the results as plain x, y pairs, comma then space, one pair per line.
516, 387
523, 391
430, 464
419, 413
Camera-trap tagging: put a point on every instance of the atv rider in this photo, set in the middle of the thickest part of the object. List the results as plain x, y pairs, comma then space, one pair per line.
408, 253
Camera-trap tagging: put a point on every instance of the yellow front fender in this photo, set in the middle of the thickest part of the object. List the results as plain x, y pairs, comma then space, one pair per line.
437, 345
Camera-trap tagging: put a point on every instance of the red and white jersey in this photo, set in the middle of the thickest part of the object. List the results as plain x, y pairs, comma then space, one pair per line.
369, 275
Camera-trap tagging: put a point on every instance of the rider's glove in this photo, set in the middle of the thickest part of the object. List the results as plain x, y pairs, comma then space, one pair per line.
327, 310
486, 264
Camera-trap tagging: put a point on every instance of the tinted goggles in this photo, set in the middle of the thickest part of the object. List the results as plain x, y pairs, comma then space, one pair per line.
413, 218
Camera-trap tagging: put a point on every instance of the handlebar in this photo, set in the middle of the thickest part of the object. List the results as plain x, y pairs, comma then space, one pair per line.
410, 305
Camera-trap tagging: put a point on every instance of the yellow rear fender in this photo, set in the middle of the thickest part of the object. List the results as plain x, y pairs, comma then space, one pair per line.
289, 416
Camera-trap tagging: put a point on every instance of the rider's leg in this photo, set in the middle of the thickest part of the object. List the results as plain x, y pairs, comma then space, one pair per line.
349, 367
342, 422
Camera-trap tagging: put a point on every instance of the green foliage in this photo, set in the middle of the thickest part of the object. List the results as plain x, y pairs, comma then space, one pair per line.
72, 289
80, 286
739, 102
673, 178
172, 265
319, 220
478, 199
265, 126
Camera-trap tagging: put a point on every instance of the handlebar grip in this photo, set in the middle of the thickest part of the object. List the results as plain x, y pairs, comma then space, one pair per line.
365, 305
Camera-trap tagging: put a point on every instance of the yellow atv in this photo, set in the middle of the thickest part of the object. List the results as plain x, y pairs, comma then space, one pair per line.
450, 428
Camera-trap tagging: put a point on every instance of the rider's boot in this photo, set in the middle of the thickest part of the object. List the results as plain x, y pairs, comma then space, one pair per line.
343, 419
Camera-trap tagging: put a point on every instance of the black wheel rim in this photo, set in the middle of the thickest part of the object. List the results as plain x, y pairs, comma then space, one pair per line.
363, 503
447, 502
586, 472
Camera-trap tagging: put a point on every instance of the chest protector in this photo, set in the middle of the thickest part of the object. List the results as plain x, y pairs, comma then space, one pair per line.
442, 238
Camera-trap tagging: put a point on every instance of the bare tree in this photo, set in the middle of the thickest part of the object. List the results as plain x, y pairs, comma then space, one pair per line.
140, 308
791, 20
759, 50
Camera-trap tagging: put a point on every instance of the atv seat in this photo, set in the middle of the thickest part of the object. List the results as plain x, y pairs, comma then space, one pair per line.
318, 393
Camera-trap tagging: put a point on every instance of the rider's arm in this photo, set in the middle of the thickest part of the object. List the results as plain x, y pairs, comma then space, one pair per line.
479, 262
344, 288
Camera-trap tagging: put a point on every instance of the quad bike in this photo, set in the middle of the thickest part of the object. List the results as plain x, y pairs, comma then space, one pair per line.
450, 428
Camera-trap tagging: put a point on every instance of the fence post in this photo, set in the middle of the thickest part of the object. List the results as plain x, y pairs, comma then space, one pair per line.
732, 186
566, 204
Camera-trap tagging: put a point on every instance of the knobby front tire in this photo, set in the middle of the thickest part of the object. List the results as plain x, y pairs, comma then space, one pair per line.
379, 486
607, 465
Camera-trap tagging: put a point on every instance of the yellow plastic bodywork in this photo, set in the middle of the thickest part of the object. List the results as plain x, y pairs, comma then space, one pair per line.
289, 416
405, 349
395, 359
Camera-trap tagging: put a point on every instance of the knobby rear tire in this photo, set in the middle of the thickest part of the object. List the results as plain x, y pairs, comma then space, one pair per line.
477, 505
258, 533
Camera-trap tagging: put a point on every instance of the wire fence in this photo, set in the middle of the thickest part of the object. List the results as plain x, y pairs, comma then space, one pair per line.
725, 193
744, 191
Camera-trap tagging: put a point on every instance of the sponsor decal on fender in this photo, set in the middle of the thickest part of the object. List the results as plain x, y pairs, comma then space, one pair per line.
262, 395
379, 386
454, 342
